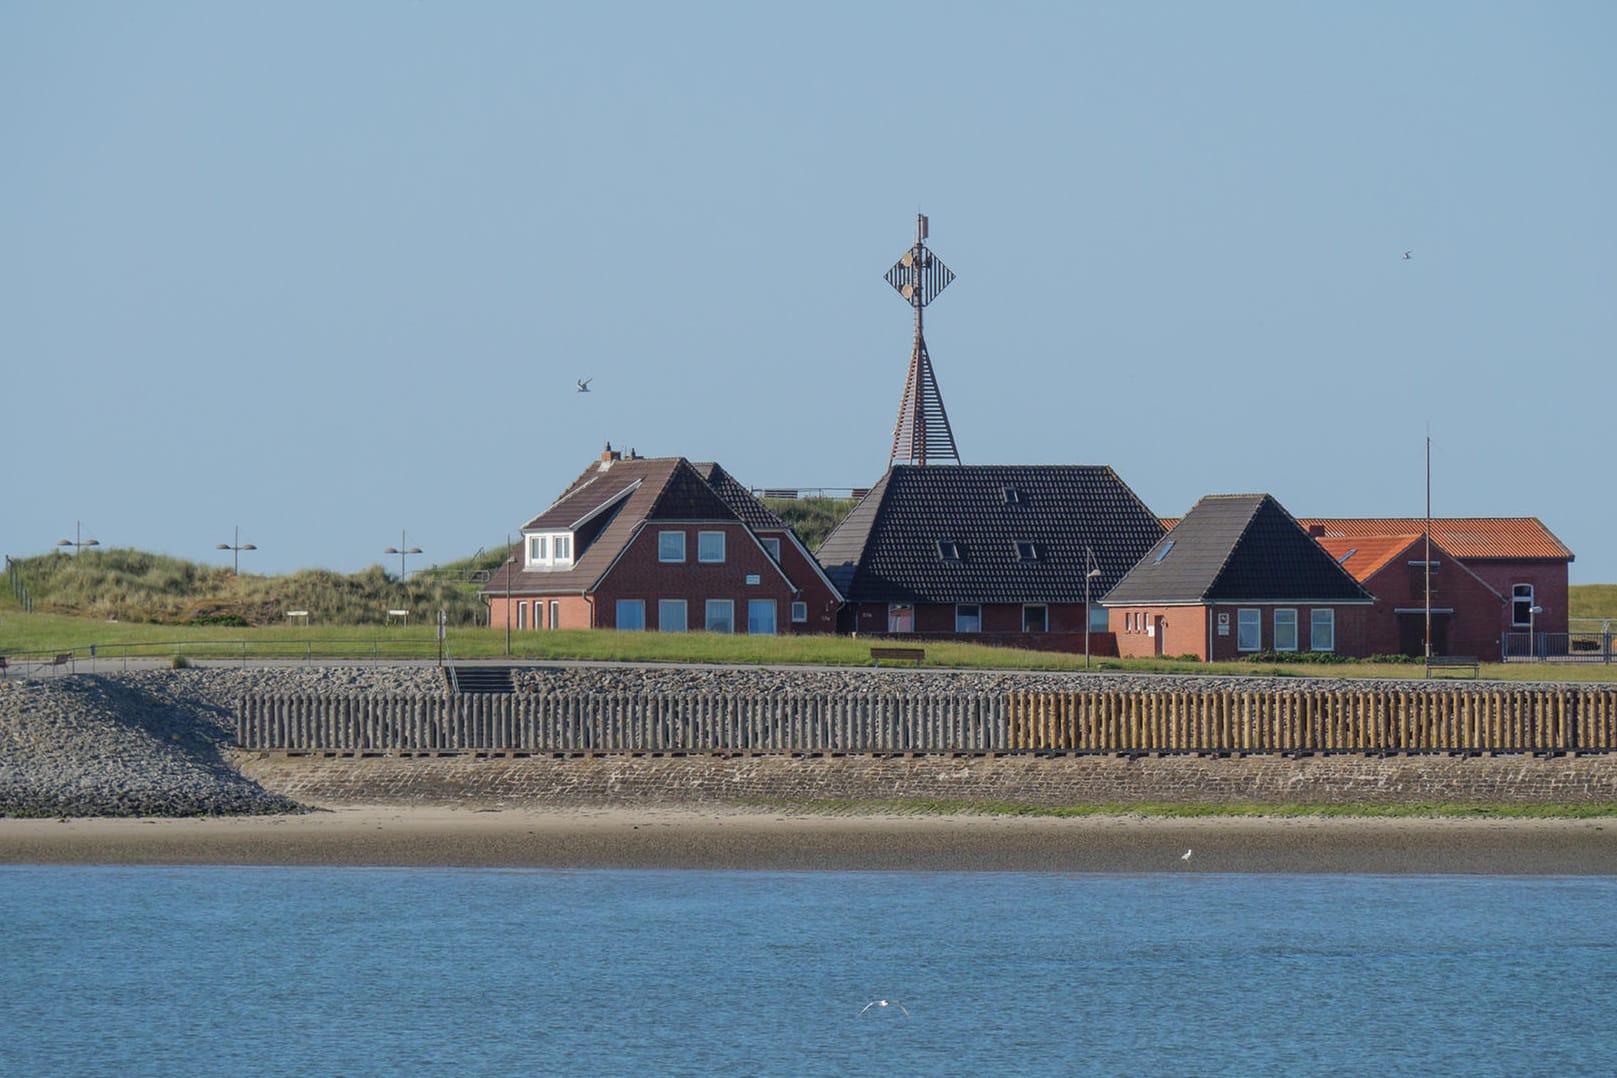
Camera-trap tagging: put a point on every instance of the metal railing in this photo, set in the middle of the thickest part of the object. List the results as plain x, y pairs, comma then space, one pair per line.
1558, 647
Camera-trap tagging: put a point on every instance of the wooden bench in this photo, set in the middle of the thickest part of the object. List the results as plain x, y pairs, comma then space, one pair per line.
1451, 662
915, 655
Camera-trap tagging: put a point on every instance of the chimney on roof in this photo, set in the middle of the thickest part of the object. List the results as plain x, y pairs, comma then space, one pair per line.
608, 455
1316, 531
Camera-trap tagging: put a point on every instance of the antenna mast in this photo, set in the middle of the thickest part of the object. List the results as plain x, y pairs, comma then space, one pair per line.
922, 430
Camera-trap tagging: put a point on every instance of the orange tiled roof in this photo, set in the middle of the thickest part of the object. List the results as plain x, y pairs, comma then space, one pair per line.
1462, 537
1365, 556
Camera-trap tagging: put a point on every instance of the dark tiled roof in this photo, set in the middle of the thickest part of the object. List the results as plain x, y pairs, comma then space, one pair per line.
1236, 548
887, 550
666, 488
739, 499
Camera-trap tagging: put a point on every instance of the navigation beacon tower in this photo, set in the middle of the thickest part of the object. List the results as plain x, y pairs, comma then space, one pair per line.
922, 433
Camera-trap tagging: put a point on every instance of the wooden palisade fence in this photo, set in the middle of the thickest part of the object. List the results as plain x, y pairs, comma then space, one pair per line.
1210, 721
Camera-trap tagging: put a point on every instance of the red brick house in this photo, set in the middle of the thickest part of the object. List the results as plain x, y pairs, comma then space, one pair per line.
1465, 610
1237, 576
1518, 557
989, 553
636, 543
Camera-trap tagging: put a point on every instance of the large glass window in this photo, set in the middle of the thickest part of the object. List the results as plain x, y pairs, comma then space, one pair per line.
564, 548
671, 615
631, 614
670, 546
1322, 630
721, 616
900, 618
1285, 630
968, 618
772, 548
761, 616
1521, 605
537, 548
1035, 618
1099, 620
710, 546
1249, 630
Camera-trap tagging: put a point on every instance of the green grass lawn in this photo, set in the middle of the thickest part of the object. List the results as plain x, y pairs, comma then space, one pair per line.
47, 634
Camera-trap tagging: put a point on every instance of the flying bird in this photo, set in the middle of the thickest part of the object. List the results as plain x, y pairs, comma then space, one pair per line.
1408, 255
1185, 856
885, 1003
584, 384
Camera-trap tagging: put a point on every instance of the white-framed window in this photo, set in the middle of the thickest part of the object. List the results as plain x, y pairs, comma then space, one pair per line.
968, 618
1035, 618
1322, 630
1521, 605
1249, 630
721, 616
1285, 630
538, 613
772, 548
799, 613
670, 546
900, 618
710, 547
555, 613
631, 614
522, 615
671, 615
761, 617
554, 551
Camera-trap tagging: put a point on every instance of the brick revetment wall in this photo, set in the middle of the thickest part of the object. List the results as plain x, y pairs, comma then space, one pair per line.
480, 781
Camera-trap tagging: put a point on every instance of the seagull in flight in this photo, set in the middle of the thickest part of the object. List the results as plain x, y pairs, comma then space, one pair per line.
885, 1003
584, 384
1408, 255
1185, 856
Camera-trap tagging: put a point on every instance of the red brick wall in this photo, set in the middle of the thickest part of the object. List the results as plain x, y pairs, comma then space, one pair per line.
822, 603
1473, 628
938, 619
639, 575
1549, 580
1185, 631
575, 611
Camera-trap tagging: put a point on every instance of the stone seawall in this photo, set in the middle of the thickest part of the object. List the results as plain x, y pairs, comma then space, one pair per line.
474, 782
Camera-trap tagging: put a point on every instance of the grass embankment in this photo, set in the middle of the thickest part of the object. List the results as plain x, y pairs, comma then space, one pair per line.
1192, 810
1593, 601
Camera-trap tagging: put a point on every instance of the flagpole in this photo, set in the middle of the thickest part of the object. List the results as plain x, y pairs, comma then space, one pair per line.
1428, 542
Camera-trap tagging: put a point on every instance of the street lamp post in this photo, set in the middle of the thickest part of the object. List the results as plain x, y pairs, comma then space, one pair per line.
1532, 637
235, 547
78, 542
1090, 574
401, 550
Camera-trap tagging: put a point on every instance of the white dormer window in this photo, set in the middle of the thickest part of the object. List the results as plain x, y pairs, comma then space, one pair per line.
553, 550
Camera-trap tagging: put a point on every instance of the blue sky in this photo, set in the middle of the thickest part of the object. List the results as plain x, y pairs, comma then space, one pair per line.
330, 271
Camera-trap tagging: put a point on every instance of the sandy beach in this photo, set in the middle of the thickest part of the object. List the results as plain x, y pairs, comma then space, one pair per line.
675, 838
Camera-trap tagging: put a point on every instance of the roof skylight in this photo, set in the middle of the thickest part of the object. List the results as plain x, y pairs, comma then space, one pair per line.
1163, 553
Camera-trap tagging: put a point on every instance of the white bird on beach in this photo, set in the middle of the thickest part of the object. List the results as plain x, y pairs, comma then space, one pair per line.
1185, 856
885, 1003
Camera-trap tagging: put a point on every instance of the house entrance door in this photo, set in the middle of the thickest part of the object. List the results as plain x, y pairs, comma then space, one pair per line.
1158, 625
1412, 633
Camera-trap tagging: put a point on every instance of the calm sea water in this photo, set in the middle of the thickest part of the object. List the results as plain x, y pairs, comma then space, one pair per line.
172, 971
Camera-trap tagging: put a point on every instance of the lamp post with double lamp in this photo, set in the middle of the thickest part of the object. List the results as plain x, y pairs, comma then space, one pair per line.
78, 542
401, 550
1532, 637
1091, 574
235, 547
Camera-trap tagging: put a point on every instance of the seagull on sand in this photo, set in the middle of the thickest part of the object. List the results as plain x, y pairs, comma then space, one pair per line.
885, 1003
584, 384
1185, 856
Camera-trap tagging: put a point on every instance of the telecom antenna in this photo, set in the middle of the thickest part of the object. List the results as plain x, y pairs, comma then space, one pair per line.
922, 432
